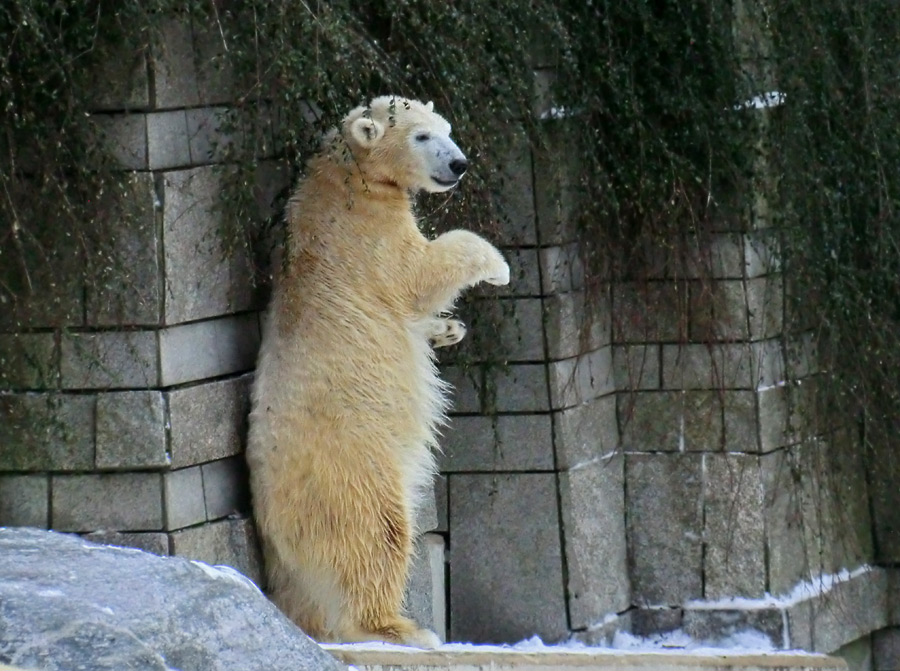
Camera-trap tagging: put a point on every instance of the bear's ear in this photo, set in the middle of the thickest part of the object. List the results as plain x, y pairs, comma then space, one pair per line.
366, 131
429, 106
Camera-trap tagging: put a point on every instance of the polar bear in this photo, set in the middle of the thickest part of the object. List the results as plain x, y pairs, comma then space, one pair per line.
347, 399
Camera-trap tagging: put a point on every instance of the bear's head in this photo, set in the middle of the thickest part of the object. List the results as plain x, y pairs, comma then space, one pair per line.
404, 143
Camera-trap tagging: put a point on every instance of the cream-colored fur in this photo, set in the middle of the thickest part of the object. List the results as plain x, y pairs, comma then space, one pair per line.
347, 399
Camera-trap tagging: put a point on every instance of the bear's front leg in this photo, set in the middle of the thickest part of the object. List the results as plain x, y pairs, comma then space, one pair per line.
452, 262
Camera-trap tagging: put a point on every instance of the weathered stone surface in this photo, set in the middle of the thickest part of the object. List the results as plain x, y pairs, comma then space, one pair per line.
561, 269
131, 430
155, 542
506, 579
884, 474
440, 501
517, 388
225, 487
109, 360
636, 367
213, 348
593, 514
787, 557
507, 330
44, 432
525, 273
183, 490
516, 195
886, 649
665, 525
70, 604
168, 142
426, 516
713, 625
212, 132
124, 281
230, 541
28, 361
735, 557
425, 590
558, 192
857, 654
648, 621
722, 366
120, 140
574, 324
498, 443
207, 261
85, 502
123, 71
467, 384
737, 309
649, 311
174, 66
651, 421
586, 432
208, 420
603, 633
581, 379
25, 501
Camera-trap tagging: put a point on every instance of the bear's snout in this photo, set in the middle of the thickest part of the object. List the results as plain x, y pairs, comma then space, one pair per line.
459, 166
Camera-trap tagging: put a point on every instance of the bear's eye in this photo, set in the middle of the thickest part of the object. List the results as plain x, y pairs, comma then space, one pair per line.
423, 137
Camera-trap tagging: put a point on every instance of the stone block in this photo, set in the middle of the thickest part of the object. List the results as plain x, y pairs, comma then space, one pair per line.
206, 349
525, 272
467, 384
558, 191
739, 414
226, 487
515, 195
231, 542
787, 556
28, 361
426, 515
561, 269
109, 501
124, 276
109, 360
580, 379
716, 366
174, 66
25, 501
886, 649
715, 625
507, 330
586, 432
118, 141
183, 491
651, 421
858, 654
168, 140
665, 526
46, 432
775, 429
506, 580
207, 259
498, 443
441, 503
603, 633
593, 516
649, 621
802, 355
214, 134
42, 274
131, 430
575, 323
737, 309
208, 421
636, 367
649, 312
425, 599
154, 542
216, 80
123, 71
734, 527
517, 388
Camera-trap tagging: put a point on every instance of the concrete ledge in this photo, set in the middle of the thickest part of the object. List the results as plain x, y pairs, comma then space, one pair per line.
394, 658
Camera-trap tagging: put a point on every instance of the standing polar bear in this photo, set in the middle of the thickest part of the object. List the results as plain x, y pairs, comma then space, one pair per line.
347, 399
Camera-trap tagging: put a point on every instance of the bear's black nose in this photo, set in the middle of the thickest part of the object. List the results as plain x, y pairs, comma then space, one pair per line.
459, 166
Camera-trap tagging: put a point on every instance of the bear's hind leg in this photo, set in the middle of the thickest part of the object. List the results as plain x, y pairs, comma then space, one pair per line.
373, 582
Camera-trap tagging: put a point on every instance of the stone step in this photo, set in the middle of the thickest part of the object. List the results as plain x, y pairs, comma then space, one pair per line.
489, 658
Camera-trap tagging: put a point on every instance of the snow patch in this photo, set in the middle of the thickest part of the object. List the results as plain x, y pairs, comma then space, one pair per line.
770, 99
222, 572
52, 593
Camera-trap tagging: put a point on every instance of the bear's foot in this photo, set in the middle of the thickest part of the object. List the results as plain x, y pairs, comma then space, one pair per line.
446, 332
400, 631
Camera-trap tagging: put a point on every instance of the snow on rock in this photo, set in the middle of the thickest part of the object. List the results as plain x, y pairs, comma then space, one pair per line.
66, 604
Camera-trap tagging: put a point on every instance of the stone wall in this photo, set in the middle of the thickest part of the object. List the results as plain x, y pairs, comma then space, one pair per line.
625, 457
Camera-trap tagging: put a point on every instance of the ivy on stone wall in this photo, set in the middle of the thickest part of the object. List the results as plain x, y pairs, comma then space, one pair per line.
661, 121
